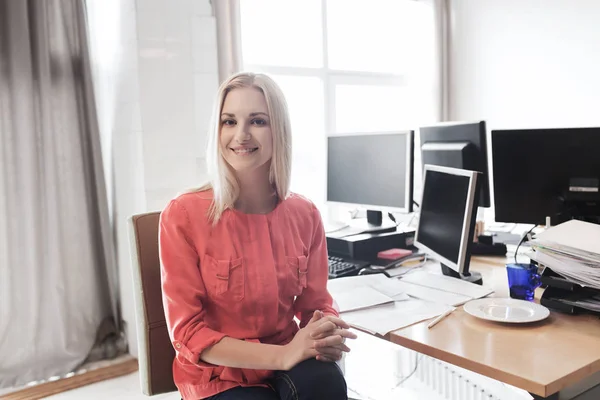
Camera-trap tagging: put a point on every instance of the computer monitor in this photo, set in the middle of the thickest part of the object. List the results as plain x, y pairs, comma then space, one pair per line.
541, 173
447, 219
374, 171
458, 145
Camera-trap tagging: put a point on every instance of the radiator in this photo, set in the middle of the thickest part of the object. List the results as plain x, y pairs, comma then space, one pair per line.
432, 379
449, 382
379, 370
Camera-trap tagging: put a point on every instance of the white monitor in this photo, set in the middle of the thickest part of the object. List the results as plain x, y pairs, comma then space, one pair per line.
447, 219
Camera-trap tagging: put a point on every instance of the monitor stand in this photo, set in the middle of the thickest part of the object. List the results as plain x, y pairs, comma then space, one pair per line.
360, 225
373, 224
473, 277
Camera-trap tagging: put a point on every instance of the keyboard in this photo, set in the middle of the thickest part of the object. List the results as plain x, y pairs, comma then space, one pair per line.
339, 267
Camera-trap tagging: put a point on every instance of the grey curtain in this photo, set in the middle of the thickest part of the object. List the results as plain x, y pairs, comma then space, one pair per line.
58, 278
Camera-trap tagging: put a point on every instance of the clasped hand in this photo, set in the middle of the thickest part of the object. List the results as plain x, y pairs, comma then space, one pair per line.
323, 337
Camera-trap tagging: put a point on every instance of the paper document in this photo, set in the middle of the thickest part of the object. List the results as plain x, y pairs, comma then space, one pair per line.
573, 237
582, 273
356, 292
360, 298
433, 295
572, 250
387, 318
447, 284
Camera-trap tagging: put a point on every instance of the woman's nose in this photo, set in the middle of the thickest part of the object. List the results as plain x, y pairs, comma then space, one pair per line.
242, 135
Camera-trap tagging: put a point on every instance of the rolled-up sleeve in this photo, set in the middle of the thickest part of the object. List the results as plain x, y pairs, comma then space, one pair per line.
315, 296
182, 286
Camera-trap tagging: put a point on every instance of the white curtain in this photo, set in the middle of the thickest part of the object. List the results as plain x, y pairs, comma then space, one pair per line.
57, 263
227, 16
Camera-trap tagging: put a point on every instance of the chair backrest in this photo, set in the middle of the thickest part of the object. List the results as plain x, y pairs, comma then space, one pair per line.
155, 351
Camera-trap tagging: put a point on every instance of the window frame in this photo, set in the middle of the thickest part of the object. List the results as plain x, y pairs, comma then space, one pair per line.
330, 77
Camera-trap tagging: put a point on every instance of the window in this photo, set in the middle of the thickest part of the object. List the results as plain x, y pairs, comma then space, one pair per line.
345, 66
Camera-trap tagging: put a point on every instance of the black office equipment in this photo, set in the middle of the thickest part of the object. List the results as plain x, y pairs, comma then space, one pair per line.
373, 171
488, 249
541, 173
339, 267
447, 219
365, 246
458, 145
562, 295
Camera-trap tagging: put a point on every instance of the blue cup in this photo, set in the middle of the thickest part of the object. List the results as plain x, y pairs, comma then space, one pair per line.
523, 279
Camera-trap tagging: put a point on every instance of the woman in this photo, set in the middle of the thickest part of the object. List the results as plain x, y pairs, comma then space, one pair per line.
241, 257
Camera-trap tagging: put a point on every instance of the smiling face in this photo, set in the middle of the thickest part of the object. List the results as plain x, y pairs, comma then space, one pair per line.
246, 140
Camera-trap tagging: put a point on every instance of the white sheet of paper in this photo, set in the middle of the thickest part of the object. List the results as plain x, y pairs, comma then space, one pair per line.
360, 298
394, 316
447, 284
433, 295
351, 282
389, 287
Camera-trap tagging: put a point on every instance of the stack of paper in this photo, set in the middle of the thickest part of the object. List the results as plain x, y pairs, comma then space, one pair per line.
571, 249
378, 304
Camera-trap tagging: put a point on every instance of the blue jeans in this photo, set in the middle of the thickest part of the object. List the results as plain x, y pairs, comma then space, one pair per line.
309, 380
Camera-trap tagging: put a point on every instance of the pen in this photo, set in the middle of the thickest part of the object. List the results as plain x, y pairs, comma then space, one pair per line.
439, 318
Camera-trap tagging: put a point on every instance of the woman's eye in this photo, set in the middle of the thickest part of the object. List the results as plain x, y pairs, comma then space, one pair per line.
259, 121
228, 122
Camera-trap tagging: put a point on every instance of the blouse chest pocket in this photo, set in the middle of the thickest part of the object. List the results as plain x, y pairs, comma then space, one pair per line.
298, 269
225, 278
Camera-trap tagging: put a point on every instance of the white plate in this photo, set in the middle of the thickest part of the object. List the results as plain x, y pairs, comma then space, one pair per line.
506, 310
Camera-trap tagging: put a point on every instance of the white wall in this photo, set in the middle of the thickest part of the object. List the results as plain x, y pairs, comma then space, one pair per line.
178, 80
155, 69
525, 63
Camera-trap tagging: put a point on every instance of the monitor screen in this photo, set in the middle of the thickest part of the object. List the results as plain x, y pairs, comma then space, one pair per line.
447, 215
374, 170
458, 145
541, 173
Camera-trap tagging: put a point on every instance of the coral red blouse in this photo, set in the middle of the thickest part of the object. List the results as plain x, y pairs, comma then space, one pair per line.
247, 277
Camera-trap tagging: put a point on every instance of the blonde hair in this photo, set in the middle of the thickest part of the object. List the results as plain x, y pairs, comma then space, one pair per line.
222, 178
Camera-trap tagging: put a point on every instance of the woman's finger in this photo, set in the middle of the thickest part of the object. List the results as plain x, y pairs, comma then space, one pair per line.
341, 347
316, 316
323, 329
323, 358
337, 321
331, 352
329, 341
342, 332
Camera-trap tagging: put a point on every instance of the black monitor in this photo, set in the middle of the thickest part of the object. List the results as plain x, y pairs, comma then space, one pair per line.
374, 171
458, 145
447, 219
541, 173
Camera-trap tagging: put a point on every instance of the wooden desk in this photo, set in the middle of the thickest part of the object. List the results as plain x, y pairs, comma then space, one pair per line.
542, 358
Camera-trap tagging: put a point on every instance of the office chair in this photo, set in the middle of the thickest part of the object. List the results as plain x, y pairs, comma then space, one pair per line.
155, 351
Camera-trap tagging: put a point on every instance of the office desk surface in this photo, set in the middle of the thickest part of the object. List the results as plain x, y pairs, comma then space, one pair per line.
542, 358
